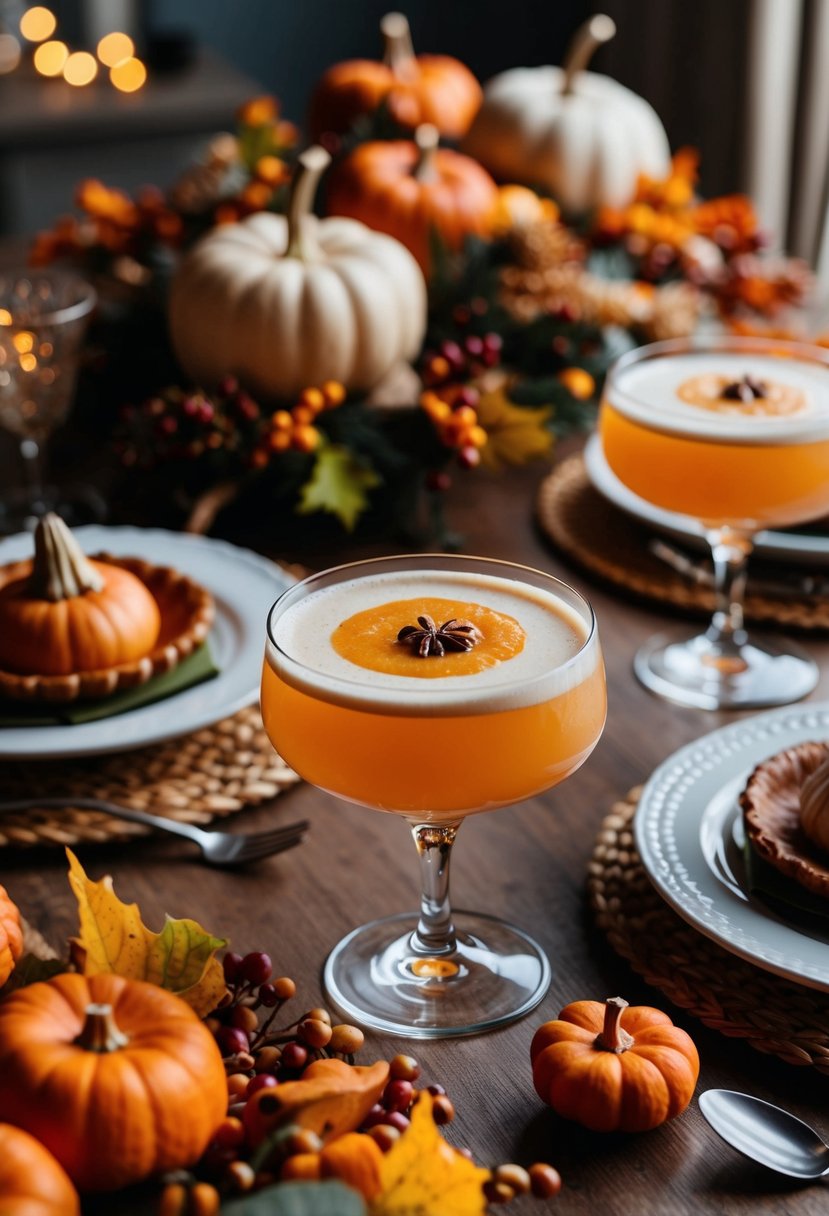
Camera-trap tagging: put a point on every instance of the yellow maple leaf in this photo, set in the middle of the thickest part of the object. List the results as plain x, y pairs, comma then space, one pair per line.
422, 1175
112, 938
516, 434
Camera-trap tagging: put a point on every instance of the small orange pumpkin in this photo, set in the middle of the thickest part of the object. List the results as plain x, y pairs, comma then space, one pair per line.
11, 935
31, 1181
613, 1066
117, 1078
406, 189
72, 614
415, 88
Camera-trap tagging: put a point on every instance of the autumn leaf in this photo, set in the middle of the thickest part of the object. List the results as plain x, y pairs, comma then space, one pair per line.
113, 939
422, 1175
339, 483
516, 433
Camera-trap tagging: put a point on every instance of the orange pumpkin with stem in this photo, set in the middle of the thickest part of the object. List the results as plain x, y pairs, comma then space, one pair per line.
31, 1181
415, 88
73, 614
613, 1066
11, 935
117, 1078
408, 189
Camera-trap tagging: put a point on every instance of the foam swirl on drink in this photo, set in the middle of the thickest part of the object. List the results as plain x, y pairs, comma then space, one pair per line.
553, 659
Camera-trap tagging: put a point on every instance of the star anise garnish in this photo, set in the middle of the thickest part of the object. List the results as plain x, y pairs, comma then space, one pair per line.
746, 389
429, 640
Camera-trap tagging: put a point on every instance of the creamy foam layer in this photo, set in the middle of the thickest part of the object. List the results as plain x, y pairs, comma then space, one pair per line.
555, 657
648, 392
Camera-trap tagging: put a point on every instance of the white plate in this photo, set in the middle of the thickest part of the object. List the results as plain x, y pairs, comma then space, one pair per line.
243, 586
688, 832
799, 547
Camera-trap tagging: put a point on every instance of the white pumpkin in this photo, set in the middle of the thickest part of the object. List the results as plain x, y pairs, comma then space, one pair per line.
583, 137
284, 302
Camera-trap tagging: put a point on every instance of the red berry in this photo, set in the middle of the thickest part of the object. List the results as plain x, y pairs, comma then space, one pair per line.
377, 1115
398, 1095
256, 969
453, 355
490, 358
474, 346
396, 1118
469, 457
467, 396
438, 482
232, 1040
230, 964
205, 412
435, 1090
268, 996
294, 1055
262, 1080
228, 385
493, 342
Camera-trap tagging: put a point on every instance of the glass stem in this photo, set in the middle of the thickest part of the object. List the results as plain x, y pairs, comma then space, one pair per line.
435, 933
32, 455
730, 551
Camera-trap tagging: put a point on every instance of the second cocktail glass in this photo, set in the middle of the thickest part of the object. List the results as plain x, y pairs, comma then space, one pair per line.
733, 432
397, 726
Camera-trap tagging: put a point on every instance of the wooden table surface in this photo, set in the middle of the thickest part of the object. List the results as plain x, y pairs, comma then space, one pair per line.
526, 863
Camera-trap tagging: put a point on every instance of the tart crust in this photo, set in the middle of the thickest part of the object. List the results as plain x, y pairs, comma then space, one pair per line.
187, 613
771, 814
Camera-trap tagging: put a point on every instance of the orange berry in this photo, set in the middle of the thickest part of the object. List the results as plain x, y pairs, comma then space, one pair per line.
514, 1176
256, 196
464, 415
443, 1109
334, 393
282, 420
279, 441
301, 1167
313, 399
271, 170
345, 1039
439, 367
204, 1200
579, 383
226, 213
173, 1201
258, 111
477, 436
306, 438
303, 415
315, 1032
237, 1083
545, 1180
285, 987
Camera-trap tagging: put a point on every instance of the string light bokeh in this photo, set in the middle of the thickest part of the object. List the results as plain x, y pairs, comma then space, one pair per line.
38, 27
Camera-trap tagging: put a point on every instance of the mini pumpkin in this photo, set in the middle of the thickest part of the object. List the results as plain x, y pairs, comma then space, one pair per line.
613, 1066
31, 1181
583, 137
117, 1078
410, 189
71, 613
414, 88
11, 935
288, 301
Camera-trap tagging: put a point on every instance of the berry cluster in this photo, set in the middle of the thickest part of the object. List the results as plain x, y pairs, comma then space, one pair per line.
453, 411
294, 428
459, 362
259, 1057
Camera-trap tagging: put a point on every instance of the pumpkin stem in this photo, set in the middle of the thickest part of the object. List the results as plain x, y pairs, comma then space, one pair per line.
398, 52
60, 570
427, 138
100, 1032
584, 44
612, 1037
312, 164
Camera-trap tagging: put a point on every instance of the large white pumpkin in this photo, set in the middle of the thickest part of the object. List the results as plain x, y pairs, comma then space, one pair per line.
284, 302
581, 136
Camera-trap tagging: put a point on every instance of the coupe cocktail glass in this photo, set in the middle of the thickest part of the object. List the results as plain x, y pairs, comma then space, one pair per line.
733, 432
434, 739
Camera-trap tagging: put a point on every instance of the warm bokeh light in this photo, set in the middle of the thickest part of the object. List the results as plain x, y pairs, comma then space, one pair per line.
37, 24
50, 57
5, 316
9, 53
23, 342
129, 75
80, 68
114, 48
28, 363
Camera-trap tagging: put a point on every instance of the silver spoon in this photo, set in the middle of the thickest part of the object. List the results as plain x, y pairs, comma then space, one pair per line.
765, 1133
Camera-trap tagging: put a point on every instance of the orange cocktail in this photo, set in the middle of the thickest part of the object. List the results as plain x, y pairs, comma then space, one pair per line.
435, 688
733, 433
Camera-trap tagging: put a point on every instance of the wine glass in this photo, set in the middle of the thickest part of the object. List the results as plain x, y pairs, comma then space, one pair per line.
43, 319
359, 699
733, 433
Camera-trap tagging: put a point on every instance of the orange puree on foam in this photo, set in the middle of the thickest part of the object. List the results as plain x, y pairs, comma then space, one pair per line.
369, 638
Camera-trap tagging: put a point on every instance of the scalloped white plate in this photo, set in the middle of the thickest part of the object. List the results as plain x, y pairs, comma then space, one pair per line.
802, 548
243, 585
688, 831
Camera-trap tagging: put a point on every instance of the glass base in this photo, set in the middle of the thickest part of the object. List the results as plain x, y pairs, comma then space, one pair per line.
495, 975
75, 504
699, 672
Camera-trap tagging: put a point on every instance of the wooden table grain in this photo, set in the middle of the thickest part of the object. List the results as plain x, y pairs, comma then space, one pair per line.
527, 863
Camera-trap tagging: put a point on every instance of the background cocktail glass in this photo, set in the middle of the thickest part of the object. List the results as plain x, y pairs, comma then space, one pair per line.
445, 973
766, 476
43, 319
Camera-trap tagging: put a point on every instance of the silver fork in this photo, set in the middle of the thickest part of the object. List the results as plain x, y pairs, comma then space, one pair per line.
218, 848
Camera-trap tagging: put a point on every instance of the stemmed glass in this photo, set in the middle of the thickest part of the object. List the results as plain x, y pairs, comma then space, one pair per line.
434, 749
733, 433
43, 319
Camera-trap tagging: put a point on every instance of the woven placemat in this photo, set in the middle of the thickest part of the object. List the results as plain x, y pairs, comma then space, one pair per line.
605, 541
211, 773
728, 994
